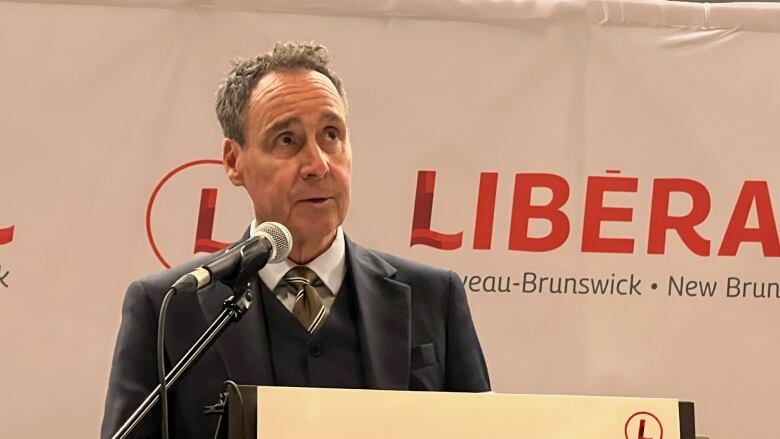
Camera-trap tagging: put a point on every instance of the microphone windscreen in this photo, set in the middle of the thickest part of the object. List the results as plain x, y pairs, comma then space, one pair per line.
279, 237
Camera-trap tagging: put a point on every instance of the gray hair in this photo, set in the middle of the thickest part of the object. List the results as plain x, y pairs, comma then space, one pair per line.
234, 91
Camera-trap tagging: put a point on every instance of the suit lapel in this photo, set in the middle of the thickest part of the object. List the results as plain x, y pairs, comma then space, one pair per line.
384, 319
244, 344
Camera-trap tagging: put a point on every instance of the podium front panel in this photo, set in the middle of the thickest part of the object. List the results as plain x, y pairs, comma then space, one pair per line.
285, 412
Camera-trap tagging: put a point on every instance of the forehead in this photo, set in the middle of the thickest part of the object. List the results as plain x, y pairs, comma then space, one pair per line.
281, 94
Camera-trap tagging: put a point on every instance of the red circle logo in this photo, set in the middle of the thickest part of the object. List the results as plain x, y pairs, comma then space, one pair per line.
181, 212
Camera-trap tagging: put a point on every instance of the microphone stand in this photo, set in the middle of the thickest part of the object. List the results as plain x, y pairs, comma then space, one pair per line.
233, 309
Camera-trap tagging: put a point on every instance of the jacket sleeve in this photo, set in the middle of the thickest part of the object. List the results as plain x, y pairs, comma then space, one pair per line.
465, 365
134, 370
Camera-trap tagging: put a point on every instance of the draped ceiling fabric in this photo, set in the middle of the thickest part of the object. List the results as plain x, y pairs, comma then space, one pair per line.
602, 174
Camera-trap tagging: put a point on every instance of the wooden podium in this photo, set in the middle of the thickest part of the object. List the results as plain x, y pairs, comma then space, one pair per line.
291, 412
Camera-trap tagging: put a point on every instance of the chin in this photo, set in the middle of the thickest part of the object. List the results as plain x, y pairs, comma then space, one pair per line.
314, 231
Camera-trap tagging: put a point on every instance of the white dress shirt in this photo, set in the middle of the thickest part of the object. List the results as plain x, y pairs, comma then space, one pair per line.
330, 267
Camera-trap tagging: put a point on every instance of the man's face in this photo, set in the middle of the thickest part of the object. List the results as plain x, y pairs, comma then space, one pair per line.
296, 162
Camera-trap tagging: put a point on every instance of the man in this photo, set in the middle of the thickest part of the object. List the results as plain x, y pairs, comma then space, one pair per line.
335, 314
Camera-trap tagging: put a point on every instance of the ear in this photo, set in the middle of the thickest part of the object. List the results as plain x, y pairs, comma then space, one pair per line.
231, 152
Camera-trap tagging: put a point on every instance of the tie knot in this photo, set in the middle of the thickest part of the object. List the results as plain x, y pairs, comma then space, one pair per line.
300, 276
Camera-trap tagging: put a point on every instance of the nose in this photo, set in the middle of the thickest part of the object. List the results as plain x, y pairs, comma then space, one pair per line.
315, 162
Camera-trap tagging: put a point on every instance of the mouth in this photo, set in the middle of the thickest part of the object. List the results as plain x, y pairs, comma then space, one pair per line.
316, 201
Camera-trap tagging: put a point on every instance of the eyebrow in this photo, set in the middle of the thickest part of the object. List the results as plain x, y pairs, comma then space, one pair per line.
329, 116
283, 124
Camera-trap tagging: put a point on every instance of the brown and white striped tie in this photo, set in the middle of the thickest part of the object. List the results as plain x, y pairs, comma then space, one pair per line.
308, 308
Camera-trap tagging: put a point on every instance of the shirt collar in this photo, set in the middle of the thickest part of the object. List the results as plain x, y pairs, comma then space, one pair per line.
331, 266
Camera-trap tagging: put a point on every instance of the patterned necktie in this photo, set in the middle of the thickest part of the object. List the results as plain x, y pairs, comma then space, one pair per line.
308, 308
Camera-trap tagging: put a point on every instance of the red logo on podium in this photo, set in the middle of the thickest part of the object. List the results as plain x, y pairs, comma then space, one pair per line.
644, 425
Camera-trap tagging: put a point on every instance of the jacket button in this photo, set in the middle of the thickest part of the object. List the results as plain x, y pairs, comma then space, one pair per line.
315, 350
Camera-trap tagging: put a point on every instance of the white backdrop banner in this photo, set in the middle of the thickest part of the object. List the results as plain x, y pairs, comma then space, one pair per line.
602, 174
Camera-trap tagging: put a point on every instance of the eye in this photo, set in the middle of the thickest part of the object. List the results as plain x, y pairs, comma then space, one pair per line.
331, 134
286, 139
285, 144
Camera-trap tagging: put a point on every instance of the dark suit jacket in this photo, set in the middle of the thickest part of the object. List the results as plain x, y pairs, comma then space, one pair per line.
414, 325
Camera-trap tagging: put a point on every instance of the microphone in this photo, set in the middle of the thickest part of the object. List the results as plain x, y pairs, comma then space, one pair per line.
268, 243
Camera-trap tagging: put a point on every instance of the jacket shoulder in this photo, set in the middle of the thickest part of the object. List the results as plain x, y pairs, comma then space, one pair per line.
403, 269
157, 284
407, 265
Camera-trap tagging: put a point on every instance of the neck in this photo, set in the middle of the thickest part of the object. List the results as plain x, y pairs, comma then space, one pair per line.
306, 250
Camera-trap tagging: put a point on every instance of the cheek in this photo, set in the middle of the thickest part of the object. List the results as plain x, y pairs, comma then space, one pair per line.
344, 181
345, 168
258, 186
343, 176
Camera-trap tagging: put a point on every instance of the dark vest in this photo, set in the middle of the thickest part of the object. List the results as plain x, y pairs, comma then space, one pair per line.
329, 358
